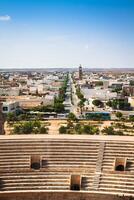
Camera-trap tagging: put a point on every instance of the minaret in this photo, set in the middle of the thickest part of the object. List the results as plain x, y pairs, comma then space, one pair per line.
1, 120
80, 72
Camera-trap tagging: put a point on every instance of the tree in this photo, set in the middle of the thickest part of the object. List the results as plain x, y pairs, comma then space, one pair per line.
63, 130
109, 130
72, 117
18, 129
30, 127
58, 107
109, 103
131, 118
78, 128
81, 105
88, 129
117, 90
120, 104
70, 125
11, 117
97, 102
27, 127
79, 94
119, 115
131, 82
43, 130
119, 133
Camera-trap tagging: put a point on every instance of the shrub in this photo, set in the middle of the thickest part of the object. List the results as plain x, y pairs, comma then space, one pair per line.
63, 130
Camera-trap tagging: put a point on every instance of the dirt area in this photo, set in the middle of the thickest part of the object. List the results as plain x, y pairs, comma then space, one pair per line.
54, 125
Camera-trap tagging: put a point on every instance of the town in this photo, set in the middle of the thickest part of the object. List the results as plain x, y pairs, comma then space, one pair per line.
67, 100
78, 101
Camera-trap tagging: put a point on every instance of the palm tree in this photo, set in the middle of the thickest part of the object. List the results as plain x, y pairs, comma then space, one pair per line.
81, 105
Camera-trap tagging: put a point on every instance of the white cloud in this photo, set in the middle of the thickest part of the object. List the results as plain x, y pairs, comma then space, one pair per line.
5, 18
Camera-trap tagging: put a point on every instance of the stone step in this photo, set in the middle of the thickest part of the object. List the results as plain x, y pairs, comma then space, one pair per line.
117, 181
35, 182
117, 191
48, 143
38, 187
120, 186
62, 151
118, 175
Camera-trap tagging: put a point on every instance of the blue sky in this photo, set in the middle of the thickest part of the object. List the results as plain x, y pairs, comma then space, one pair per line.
65, 33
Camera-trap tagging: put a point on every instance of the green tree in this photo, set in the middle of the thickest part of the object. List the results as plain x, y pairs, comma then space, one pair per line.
88, 129
63, 130
108, 130
97, 102
79, 94
27, 127
131, 82
78, 128
72, 117
30, 127
119, 115
70, 125
11, 117
81, 106
18, 129
43, 130
59, 107
131, 118
109, 103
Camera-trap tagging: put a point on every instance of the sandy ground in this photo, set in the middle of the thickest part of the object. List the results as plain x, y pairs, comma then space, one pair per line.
55, 125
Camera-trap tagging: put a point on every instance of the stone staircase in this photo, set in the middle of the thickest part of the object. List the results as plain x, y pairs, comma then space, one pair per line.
116, 181
99, 162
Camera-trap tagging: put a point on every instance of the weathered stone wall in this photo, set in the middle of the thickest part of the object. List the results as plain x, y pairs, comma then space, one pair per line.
59, 196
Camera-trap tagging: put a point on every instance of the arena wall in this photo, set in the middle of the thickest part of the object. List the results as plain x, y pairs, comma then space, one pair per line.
60, 196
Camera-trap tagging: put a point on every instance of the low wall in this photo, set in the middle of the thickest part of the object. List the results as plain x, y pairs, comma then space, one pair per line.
60, 196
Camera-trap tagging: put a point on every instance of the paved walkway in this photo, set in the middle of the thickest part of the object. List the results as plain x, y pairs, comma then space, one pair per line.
79, 137
55, 125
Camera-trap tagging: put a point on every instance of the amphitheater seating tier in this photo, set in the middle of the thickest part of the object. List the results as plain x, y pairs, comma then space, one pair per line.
60, 158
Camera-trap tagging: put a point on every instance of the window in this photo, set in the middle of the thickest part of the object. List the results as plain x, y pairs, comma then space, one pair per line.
75, 182
5, 108
35, 162
120, 164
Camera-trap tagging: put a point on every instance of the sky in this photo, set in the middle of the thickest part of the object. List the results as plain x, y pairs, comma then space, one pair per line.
66, 33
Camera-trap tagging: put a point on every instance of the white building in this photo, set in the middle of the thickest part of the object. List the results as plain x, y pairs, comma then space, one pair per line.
102, 94
131, 101
42, 88
33, 89
10, 106
9, 91
48, 100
